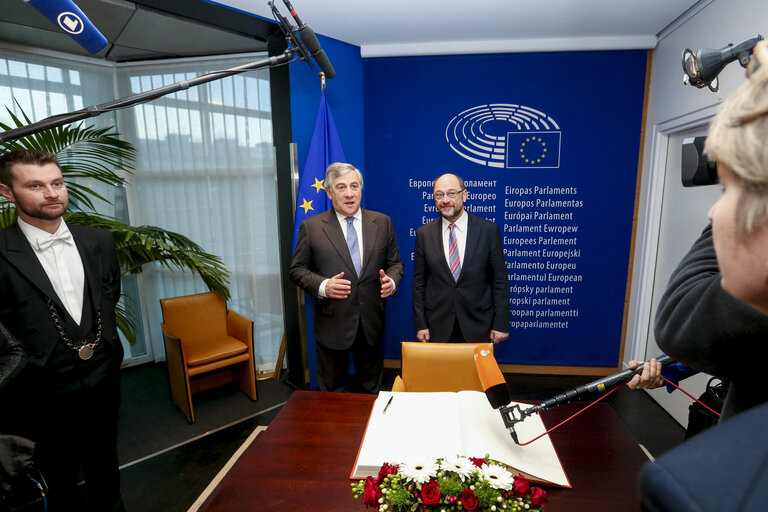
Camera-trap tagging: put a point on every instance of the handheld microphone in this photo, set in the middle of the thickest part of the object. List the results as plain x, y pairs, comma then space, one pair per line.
69, 18
491, 378
313, 45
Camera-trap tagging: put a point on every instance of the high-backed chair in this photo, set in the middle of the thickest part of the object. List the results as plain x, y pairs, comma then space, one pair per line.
206, 346
438, 367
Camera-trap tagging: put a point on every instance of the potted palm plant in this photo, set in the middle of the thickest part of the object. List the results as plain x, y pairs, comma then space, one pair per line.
86, 152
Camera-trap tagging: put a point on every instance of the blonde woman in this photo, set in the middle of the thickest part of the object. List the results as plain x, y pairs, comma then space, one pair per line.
726, 468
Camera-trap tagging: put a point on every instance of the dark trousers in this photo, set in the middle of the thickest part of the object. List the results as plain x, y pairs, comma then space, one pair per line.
456, 335
73, 421
82, 435
333, 366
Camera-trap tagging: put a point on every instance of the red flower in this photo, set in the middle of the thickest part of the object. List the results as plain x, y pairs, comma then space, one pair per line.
386, 469
477, 461
520, 487
469, 500
430, 493
538, 497
372, 493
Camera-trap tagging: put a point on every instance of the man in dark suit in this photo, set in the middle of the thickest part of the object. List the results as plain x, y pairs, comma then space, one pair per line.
60, 285
460, 289
348, 258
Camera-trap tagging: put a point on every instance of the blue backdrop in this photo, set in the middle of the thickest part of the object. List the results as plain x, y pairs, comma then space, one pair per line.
549, 143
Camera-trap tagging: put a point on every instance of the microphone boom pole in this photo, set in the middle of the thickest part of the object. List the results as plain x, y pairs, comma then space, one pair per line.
514, 414
129, 101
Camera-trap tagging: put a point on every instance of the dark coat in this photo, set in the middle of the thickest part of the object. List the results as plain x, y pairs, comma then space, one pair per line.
723, 468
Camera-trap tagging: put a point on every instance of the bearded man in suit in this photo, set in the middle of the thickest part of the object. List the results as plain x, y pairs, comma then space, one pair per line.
60, 285
348, 258
460, 289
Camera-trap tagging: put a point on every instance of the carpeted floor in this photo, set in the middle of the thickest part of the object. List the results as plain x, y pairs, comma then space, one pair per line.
150, 422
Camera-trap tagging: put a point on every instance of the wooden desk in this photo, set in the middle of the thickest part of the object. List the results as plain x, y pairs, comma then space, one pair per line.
303, 460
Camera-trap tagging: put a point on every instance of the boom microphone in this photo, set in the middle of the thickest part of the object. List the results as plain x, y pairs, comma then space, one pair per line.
69, 18
313, 45
491, 378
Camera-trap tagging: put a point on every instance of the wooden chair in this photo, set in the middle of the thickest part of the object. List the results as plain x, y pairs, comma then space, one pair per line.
438, 367
206, 346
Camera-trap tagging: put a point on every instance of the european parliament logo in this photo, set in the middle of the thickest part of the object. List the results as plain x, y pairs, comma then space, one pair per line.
506, 136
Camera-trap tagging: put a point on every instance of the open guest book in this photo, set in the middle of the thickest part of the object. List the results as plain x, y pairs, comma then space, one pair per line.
440, 425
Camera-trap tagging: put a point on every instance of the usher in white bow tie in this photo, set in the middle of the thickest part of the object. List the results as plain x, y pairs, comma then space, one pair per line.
44, 243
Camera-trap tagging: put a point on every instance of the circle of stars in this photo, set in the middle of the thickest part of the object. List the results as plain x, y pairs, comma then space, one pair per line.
537, 145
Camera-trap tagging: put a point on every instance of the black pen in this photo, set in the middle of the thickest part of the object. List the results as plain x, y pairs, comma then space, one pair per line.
387, 406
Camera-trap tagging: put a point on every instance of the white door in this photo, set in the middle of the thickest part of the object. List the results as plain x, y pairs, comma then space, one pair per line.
683, 217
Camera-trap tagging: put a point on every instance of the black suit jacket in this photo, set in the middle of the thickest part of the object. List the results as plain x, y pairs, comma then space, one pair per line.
321, 252
25, 287
479, 299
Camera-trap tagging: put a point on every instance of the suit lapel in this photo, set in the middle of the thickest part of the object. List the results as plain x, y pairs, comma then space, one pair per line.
370, 232
473, 238
439, 248
335, 235
90, 254
20, 254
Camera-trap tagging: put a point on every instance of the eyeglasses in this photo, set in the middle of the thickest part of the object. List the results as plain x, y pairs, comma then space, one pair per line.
451, 194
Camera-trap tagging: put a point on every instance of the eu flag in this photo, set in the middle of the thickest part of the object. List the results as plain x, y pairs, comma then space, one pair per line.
311, 199
536, 150
324, 149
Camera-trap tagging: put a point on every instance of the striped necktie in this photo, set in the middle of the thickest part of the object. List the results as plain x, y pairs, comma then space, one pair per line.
453, 252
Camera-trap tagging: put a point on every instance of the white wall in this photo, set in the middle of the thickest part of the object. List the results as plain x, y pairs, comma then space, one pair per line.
675, 109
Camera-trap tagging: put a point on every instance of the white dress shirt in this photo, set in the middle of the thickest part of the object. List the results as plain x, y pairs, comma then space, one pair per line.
461, 236
62, 264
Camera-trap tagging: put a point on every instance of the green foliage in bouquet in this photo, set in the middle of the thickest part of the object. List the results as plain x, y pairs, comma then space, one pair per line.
458, 484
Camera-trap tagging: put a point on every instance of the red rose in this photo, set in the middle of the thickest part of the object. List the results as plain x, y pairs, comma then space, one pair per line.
538, 497
477, 461
469, 500
520, 487
386, 469
372, 493
430, 493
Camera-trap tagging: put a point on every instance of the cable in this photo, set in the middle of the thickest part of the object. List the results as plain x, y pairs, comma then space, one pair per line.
692, 397
566, 420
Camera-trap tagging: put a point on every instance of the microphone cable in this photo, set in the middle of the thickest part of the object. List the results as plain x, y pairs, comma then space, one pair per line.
566, 420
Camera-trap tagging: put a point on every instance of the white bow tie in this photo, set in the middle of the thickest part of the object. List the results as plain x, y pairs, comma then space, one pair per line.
44, 243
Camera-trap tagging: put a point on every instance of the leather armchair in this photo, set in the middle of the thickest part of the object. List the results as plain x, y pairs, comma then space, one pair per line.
206, 346
438, 367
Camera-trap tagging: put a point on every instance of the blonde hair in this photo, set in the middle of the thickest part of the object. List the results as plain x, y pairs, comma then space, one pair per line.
738, 138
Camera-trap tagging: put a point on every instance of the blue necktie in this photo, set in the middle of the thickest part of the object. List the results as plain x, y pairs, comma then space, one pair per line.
453, 252
354, 248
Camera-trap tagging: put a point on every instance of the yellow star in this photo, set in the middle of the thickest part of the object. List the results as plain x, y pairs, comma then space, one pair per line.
307, 205
318, 185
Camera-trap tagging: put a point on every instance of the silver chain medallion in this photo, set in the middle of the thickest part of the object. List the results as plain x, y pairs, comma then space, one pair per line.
85, 352
84, 349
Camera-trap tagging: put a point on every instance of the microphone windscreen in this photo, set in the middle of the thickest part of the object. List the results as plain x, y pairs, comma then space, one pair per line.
325, 64
313, 45
491, 378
